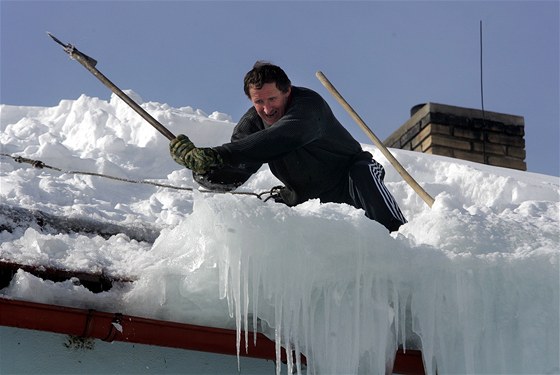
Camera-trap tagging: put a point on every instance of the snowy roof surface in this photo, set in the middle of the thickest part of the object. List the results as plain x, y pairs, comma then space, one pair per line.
472, 282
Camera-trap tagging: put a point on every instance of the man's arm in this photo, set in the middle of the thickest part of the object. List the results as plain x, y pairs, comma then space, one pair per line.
226, 178
229, 177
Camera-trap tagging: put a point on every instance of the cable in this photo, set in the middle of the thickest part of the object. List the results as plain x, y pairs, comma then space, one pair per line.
40, 165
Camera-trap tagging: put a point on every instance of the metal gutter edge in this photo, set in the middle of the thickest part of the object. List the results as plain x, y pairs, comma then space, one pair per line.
118, 327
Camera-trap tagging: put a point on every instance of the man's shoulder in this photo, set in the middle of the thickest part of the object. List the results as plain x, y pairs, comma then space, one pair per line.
299, 91
251, 114
307, 97
249, 123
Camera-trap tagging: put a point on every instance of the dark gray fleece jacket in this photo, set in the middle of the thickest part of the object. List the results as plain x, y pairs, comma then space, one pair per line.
307, 149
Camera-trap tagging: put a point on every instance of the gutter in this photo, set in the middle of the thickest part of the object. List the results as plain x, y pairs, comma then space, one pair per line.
132, 329
119, 327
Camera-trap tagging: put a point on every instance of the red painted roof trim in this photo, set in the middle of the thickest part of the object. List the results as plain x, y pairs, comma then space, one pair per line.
103, 326
118, 327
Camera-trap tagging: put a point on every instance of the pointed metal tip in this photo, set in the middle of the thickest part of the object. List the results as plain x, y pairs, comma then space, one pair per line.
56, 40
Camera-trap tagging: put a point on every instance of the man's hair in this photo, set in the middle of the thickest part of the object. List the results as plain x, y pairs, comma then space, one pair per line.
265, 72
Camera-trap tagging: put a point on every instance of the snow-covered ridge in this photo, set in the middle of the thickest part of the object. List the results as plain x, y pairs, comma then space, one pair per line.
472, 282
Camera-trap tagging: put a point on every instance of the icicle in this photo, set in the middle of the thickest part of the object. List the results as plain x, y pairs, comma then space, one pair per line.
246, 302
279, 325
278, 343
225, 277
255, 282
297, 353
236, 286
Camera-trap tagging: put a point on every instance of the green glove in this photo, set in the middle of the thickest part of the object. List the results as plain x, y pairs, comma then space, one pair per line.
179, 148
201, 160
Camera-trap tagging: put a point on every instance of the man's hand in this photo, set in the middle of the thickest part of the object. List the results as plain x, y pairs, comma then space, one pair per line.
201, 160
179, 148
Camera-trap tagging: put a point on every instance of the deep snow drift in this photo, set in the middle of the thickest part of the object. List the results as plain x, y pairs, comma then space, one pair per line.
472, 282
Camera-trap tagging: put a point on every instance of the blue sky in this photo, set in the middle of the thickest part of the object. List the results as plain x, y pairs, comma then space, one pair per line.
383, 56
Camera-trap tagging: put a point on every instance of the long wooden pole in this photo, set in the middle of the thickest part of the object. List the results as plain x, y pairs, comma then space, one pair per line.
394, 162
89, 63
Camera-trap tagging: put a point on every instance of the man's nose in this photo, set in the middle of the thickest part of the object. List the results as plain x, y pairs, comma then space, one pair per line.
268, 109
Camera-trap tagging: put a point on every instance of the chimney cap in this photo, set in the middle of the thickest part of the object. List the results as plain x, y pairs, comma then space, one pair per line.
416, 108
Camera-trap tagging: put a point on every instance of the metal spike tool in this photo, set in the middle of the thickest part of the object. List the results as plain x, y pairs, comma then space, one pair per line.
73, 51
90, 63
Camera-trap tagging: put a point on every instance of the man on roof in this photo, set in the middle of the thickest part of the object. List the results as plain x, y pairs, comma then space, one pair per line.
293, 130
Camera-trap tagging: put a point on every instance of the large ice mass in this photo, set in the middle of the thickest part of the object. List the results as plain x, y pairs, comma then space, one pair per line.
473, 282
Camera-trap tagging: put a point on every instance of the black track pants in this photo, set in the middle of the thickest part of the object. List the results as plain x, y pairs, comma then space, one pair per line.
370, 193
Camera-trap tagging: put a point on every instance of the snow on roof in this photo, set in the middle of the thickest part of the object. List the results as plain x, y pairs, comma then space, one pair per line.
472, 282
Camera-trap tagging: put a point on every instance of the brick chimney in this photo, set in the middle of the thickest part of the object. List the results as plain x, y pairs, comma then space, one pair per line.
462, 133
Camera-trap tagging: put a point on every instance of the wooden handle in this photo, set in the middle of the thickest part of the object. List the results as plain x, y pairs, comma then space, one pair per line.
394, 162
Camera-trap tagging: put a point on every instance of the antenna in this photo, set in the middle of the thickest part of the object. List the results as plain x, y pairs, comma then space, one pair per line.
482, 102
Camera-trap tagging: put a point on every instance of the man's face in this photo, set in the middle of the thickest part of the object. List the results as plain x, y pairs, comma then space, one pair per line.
269, 102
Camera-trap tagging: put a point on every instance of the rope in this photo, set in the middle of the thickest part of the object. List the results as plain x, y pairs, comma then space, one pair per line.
40, 165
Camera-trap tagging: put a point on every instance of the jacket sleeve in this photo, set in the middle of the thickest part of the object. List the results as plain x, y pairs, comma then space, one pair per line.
232, 175
226, 178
